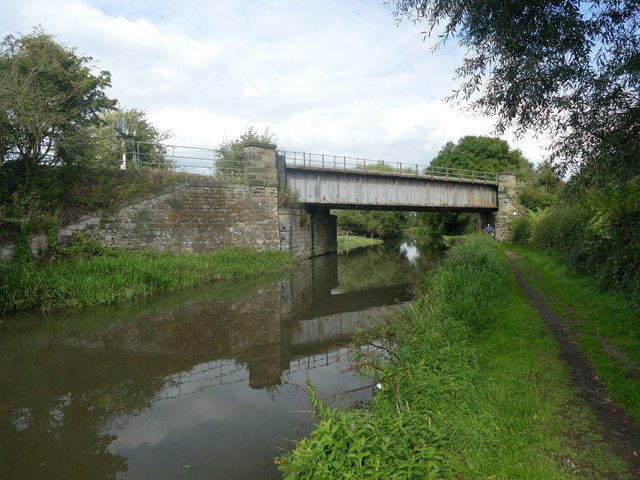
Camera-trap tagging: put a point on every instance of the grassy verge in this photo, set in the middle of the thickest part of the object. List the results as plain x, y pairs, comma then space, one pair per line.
346, 243
472, 388
606, 324
116, 276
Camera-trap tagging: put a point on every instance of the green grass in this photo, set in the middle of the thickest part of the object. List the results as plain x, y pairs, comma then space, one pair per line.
597, 317
474, 388
122, 275
346, 243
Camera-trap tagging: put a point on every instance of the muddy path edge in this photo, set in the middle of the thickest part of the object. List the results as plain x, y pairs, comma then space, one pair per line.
616, 427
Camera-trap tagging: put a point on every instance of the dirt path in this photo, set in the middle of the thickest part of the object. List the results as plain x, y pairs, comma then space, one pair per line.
617, 428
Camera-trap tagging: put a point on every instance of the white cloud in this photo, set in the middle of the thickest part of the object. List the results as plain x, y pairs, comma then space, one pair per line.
333, 76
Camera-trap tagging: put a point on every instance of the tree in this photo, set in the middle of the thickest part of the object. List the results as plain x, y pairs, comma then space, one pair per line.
48, 95
231, 152
484, 154
568, 67
140, 140
380, 224
543, 188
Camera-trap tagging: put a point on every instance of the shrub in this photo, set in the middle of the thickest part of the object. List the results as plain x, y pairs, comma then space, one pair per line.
520, 230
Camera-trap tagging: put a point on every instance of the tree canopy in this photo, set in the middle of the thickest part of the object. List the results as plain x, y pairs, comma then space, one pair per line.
48, 97
567, 67
231, 152
484, 154
141, 140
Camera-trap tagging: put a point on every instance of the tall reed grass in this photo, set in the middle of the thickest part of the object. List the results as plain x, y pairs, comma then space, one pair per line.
471, 387
122, 275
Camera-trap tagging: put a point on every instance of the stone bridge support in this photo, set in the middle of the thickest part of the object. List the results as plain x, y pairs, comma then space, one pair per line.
304, 231
508, 205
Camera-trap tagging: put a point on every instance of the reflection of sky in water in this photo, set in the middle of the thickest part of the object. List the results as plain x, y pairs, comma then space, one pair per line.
200, 384
210, 415
410, 252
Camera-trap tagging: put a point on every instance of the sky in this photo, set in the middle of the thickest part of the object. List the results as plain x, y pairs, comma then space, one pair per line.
338, 77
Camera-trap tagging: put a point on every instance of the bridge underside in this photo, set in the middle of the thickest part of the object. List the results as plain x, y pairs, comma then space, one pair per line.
360, 190
400, 208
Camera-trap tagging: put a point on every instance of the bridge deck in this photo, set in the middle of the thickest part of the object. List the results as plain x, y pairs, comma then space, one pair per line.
336, 187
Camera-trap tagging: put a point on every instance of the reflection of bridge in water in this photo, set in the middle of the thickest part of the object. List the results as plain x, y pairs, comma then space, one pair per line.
266, 332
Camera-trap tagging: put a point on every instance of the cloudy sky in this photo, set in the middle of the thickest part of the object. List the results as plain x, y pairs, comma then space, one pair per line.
331, 76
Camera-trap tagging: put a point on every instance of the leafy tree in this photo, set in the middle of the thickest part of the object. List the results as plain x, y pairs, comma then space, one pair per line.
380, 224
570, 67
231, 152
543, 188
484, 154
48, 97
447, 223
141, 140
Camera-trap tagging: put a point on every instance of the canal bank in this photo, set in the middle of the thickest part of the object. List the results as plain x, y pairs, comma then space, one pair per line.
474, 388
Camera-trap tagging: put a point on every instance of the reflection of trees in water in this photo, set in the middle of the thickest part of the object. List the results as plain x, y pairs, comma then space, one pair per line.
62, 394
379, 265
57, 418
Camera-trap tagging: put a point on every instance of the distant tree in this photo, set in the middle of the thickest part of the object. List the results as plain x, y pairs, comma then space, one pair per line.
231, 152
48, 97
542, 189
568, 67
380, 224
480, 153
484, 154
141, 140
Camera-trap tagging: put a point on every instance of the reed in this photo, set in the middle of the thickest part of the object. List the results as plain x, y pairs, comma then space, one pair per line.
471, 387
347, 243
116, 276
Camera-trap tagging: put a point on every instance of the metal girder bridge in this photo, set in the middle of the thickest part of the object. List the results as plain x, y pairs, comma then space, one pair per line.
353, 183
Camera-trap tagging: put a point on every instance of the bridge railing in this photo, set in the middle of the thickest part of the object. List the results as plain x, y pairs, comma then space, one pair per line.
363, 165
182, 158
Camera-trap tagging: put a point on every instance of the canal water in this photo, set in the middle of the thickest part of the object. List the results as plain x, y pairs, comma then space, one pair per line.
201, 384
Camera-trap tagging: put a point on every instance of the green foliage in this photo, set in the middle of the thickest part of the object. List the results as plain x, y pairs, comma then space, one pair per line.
23, 247
447, 223
599, 235
48, 97
287, 197
543, 188
92, 275
230, 153
561, 229
382, 166
359, 445
140, 141
483, 154
569, 68
380, 224
346, 243
66, 194
471, 388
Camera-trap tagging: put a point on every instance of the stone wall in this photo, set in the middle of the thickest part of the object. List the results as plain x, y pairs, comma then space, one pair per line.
207, 213
196, 218
201, 216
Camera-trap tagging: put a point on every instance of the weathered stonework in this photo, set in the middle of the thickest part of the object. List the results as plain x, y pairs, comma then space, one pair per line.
508, 205
307, 234
196, 218
207, 214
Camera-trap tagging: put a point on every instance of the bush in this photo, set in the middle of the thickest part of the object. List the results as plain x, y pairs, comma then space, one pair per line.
600, 237
520, 230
